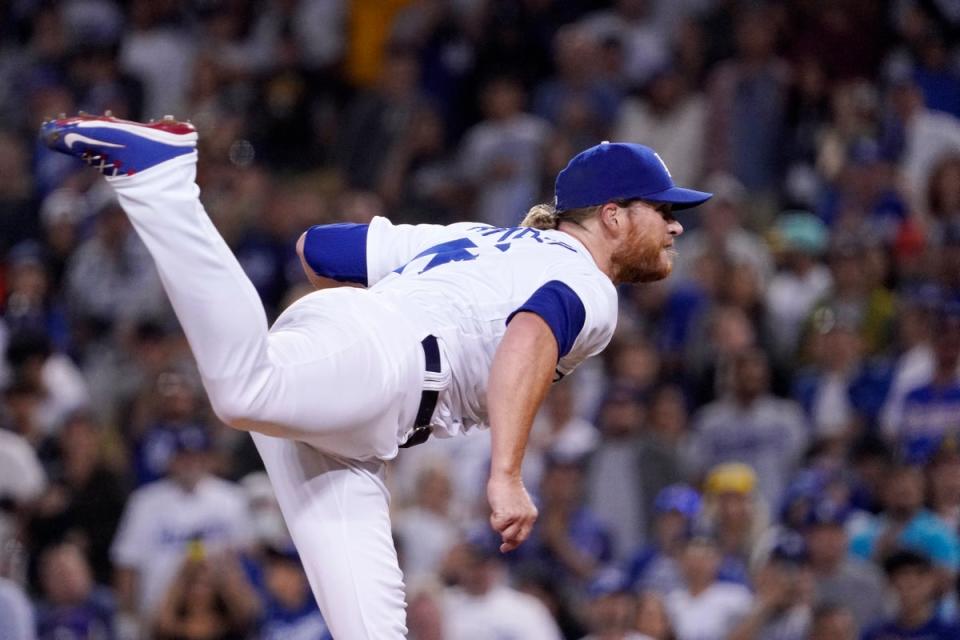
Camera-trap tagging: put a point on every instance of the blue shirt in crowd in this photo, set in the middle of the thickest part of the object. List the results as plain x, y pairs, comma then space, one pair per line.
932, 630
924, 533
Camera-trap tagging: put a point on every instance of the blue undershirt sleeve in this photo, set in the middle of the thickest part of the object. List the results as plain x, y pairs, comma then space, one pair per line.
338, 251
561, 309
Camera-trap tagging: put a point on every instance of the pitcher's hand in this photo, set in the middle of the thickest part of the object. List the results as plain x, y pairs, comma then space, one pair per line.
512, 512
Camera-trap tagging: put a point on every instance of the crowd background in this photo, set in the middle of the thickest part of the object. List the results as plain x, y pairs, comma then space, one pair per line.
770, 447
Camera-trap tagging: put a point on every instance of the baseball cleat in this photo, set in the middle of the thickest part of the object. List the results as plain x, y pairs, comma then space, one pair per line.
116, 147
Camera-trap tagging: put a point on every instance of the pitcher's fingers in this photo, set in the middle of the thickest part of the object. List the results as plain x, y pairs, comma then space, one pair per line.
512, 531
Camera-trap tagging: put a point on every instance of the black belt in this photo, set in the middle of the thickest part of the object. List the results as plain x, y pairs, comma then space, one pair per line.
428, 397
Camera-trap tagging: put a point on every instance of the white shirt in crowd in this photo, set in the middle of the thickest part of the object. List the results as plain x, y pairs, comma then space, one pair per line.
770, 435
425, 538
712, 614
501, 613
790, 298
16, 614
161, 519
930, 135
22, 479
677, 135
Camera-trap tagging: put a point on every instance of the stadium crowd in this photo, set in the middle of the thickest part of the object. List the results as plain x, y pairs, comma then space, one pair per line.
769, 449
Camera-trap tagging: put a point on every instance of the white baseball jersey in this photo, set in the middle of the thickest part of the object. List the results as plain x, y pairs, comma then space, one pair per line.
462, 282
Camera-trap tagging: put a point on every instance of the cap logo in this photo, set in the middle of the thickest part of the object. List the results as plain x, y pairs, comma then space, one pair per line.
663, 164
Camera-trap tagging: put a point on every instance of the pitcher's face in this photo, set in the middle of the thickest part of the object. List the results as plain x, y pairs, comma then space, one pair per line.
646, 252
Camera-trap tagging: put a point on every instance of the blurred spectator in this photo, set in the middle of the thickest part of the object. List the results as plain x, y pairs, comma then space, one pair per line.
558, 430
578, 100
164, 520
653, 622
858, 296
22, 480
943, 196
943, 472
289, 610
159, 55
864, 197
842, 392
169, 408
914, 581
854, 107
737, 516
570, 539
721, 232
633, 23
566, 608
905, 523
783, 603
481, 605
100, 84
31, 303
425, 529
705, 608
808, 111
74, 605
915, 365
424, 610
656, 566
833, 622
927, 136
18, 222
841, 579
110, 279
208, 599
616, 490
752, 426
419, 178
16, 613
662, 441
55, 379
800, 283
611, 609
747, 107
870, 463
61, 213
929, 412
377, 119
516, 36
669, 117
501, 156
84, 499
936, 75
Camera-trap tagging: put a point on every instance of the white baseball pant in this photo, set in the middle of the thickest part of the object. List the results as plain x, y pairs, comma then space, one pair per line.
326, 391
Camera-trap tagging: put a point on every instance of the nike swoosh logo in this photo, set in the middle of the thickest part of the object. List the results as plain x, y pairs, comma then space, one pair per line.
72, 138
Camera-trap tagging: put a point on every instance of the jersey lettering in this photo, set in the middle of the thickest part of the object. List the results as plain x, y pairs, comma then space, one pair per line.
451, 251
465, 249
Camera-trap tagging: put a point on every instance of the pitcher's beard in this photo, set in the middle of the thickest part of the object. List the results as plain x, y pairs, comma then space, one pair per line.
649, 264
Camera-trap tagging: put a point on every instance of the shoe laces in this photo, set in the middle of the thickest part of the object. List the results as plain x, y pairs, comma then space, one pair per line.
102, 163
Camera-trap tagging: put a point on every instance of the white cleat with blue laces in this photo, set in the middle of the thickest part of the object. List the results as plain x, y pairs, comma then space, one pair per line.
118, 147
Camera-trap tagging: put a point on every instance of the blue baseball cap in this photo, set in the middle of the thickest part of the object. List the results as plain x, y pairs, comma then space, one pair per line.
680, 498
828, 512
192, 438
620, 171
